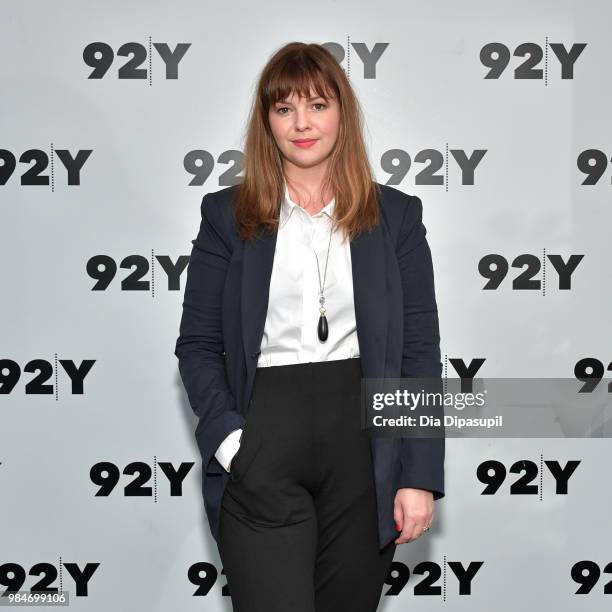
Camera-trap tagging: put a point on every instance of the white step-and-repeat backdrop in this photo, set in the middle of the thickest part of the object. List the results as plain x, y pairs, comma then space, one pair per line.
117, 117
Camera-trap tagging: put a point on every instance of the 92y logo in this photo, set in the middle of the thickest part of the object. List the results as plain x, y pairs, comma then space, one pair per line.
19, 573
398, 163
37, 161
100, 56
587, 573
496, 56
464, 573
107, 476
493, 474
495, 267
593, 163
369, 58
103, 269
39, 385
591, 371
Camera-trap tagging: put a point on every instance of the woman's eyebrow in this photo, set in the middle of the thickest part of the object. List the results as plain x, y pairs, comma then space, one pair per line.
307, 99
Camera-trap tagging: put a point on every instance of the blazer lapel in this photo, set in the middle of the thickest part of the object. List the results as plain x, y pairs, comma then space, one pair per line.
369, 291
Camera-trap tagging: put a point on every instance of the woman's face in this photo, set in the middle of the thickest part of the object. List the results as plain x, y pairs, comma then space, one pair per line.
296, 119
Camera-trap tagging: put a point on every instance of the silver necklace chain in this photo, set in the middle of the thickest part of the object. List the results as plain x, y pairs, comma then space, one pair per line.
322, 287
323, 327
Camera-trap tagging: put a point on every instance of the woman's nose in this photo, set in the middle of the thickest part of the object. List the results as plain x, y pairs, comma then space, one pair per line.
301, 119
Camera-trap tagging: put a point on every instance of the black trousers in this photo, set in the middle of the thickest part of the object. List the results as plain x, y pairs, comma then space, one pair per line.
298, 523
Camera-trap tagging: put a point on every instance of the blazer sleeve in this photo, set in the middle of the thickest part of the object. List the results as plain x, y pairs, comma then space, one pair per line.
422, 459
200, 347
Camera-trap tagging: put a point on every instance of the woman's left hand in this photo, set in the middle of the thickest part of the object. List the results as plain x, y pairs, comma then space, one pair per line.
413, 510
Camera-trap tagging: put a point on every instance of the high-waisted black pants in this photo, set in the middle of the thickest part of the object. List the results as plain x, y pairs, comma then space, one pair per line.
298, 523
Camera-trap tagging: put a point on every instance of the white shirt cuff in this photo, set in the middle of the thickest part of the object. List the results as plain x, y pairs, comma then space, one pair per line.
228, 448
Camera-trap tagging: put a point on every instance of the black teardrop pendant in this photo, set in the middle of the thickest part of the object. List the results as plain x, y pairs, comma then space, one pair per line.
322, 328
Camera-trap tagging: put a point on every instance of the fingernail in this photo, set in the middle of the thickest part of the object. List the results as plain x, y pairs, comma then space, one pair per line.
397, 527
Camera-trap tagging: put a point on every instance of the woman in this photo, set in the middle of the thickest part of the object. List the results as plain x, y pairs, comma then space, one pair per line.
303, 279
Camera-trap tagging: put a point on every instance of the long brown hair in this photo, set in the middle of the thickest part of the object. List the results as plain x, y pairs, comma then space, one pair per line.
299, 67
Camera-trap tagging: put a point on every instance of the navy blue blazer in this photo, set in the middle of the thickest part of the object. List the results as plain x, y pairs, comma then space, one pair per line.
224, 312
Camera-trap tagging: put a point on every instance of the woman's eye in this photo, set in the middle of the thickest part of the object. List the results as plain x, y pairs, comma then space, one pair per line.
282, 108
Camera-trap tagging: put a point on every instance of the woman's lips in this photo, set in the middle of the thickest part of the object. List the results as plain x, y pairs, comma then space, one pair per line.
304, 144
